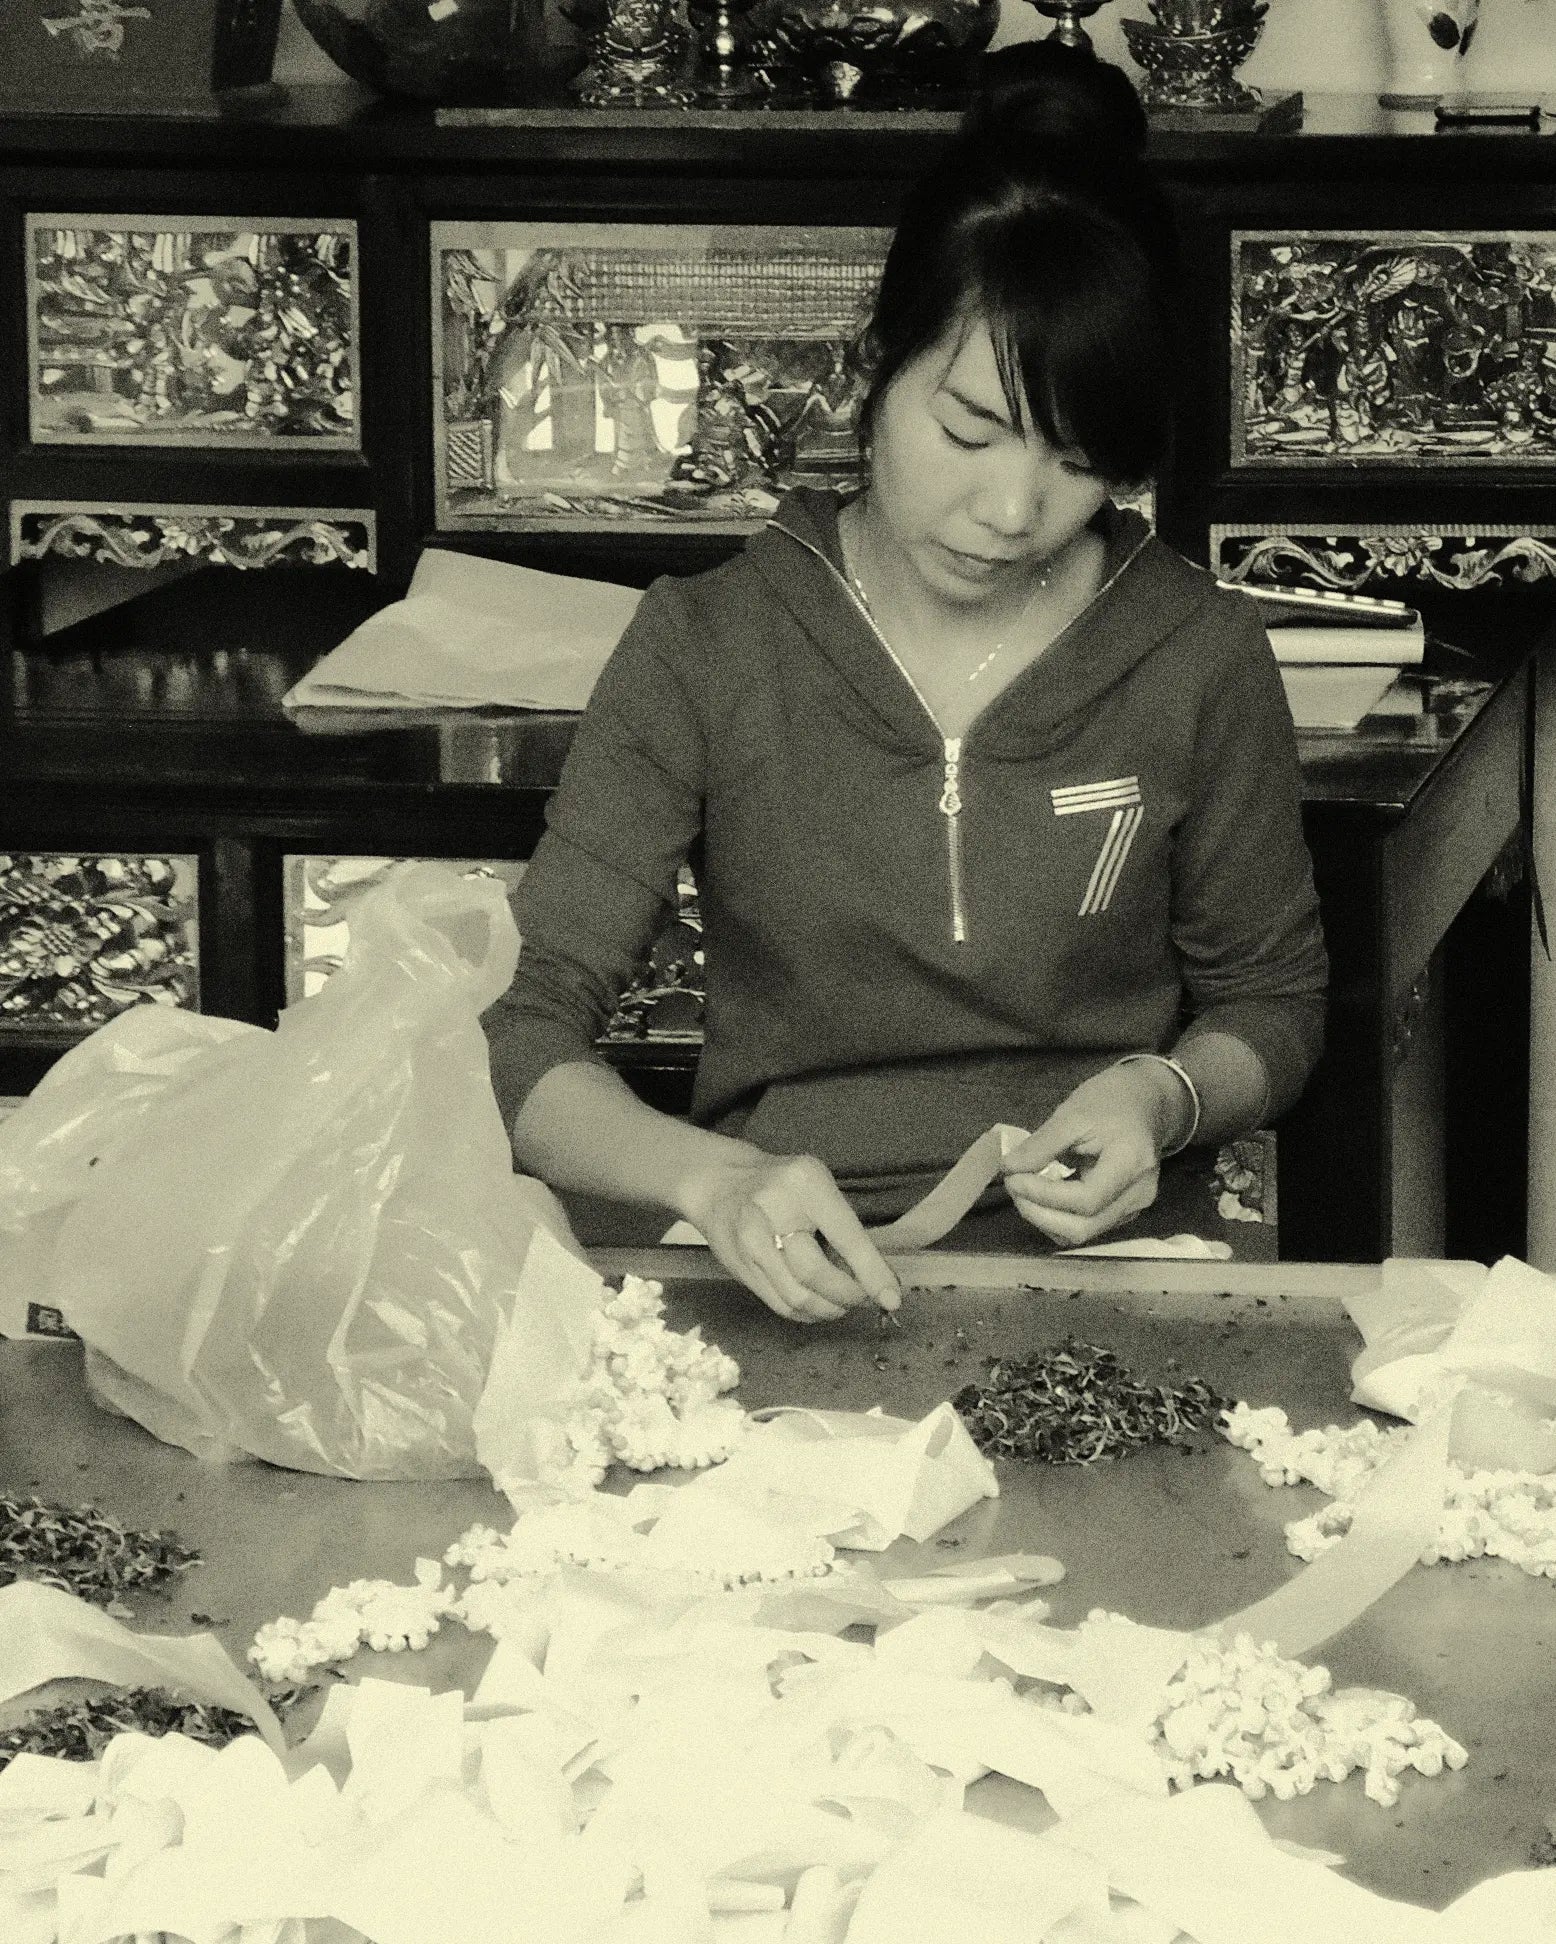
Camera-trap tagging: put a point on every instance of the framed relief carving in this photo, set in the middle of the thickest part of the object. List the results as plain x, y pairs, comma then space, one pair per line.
1411, 348
216, 332
652, 376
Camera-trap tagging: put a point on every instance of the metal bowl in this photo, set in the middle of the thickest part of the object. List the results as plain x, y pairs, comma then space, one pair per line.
477, 51
1195, 70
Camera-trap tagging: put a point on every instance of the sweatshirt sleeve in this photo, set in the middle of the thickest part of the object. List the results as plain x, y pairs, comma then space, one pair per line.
1245, 914
601, 882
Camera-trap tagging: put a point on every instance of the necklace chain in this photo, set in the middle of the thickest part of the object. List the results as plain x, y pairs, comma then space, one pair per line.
994, 653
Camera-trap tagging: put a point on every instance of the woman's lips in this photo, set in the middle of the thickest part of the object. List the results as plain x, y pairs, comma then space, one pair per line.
977, 566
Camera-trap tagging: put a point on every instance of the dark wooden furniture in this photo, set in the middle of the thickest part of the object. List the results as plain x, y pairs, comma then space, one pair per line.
117, 737
1412, 452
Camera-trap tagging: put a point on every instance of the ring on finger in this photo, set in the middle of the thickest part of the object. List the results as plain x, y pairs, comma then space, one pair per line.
785, 1236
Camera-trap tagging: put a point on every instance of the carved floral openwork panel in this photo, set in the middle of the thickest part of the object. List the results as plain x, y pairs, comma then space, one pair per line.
151, 535
1378, 560
1407, 348
82, 938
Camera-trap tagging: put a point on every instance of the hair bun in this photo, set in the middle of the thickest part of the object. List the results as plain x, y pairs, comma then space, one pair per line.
1054, 104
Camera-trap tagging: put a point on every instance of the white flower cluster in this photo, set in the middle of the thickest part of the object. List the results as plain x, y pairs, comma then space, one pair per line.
1335, 1460
1507, 1515
1486, 1514
372, 1613
649, 1398
1277, 1727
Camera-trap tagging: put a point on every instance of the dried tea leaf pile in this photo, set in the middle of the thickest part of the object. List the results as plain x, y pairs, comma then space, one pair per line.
79, 1731
84, 1550
1073, 1404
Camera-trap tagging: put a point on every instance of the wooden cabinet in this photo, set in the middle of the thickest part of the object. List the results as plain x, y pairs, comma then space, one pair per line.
289, 348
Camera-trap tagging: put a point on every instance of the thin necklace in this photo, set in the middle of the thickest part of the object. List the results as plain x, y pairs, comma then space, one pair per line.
994, 653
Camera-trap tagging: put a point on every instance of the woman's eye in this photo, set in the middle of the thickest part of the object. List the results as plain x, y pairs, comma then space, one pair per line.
961, 444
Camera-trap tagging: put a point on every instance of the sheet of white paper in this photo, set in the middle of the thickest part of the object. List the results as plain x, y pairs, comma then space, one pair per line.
45, 1785
1334, 698
1191, 1248
1439, 1330
1340, 645
1516, 1908
1119, 1669
953, 1195
472, 631
933, 1217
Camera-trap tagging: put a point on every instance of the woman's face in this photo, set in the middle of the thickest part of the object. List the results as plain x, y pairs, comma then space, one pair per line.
972, 505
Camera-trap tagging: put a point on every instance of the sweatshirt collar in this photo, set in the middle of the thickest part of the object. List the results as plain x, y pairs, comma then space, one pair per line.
1147, 592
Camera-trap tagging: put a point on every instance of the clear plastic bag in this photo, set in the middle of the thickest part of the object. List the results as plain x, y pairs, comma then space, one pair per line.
295, 1245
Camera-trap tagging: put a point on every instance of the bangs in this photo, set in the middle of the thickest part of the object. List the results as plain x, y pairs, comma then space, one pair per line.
1075, 290
1080, 340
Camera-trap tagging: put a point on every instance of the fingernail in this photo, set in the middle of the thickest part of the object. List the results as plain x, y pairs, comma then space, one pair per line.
889, 1299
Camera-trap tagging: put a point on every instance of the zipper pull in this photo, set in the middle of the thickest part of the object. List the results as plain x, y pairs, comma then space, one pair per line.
951, 809
951, 793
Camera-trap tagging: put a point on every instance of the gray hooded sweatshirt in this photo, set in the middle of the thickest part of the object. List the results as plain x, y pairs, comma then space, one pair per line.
908, 938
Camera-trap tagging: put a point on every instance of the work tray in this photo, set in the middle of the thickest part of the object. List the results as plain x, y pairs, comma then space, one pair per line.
1169, 1538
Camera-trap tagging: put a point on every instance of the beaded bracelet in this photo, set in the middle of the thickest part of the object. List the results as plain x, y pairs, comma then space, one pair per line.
1162, 1059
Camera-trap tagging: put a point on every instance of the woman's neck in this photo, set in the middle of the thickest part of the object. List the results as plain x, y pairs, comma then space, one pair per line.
1059, 587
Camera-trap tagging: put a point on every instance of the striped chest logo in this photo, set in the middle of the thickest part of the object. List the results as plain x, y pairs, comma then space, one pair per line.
1120, 797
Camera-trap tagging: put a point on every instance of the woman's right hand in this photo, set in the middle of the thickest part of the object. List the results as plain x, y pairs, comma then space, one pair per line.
781, 1225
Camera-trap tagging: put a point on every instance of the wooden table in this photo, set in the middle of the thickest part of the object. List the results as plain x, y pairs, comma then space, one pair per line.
1169, 1539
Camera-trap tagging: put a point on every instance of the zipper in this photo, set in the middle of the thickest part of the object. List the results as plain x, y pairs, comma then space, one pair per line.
950, 804
951, 810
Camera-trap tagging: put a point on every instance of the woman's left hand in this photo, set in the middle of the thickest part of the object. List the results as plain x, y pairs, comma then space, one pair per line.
1109, 1134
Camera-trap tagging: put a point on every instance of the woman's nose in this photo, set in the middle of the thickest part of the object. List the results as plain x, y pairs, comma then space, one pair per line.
1008, 508
1009, 502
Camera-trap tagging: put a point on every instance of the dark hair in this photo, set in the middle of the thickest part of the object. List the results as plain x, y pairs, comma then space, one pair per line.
1043, 219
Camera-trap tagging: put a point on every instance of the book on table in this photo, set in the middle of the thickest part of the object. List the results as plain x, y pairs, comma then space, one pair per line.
1341, 655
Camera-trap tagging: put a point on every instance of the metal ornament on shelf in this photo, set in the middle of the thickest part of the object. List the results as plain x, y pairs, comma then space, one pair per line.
1069, 14
639, 59
725, 80
894, 51
1190, 50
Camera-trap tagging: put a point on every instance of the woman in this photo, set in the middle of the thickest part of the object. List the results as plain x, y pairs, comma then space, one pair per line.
992, 799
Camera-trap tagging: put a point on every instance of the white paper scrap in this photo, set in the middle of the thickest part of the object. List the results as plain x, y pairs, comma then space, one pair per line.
1396, 1519
887, 1477
962, 1876
958, 1192
1203, 1860
33, 1786
47, 1634
1518, 1907
1434, 1329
